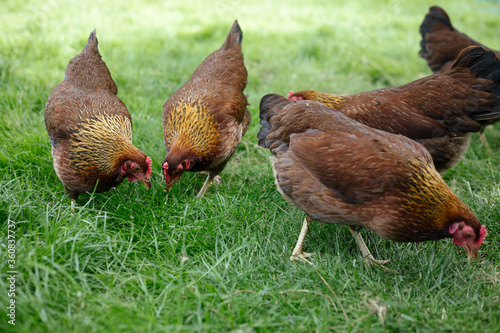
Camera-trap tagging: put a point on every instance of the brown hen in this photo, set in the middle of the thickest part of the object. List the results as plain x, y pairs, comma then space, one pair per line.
340, 171
438, 111
441, 42
91, 130
204, 121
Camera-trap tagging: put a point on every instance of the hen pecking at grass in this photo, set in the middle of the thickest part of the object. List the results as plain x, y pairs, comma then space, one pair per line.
204, 121
90, 129
340, 171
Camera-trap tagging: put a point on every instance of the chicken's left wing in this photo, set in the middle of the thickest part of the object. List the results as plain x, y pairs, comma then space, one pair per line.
358, 167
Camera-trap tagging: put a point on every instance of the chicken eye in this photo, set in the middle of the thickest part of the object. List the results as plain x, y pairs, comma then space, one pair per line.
468, 235
136, 168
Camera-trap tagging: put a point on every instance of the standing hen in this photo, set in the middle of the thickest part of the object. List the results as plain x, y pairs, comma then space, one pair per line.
441, 42
340, 171
91, 130
438, 111
204, 121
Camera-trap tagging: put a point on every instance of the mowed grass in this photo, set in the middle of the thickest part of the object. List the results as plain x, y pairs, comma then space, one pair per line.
132, 260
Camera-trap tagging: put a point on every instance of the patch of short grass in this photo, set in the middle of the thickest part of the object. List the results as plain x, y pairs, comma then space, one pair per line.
148, 261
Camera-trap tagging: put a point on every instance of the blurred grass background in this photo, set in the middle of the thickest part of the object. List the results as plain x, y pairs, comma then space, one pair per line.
146, 261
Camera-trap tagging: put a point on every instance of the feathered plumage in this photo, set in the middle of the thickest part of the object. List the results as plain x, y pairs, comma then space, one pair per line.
340, 171
438, 111
204, 121
441, 43
90, 129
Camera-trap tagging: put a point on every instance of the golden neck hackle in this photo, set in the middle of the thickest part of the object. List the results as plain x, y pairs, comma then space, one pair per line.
103, 141
190, 125
428, 196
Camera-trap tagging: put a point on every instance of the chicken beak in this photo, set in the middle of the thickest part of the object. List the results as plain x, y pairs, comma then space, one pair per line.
146, 183
471, 251
172, 181
169, 186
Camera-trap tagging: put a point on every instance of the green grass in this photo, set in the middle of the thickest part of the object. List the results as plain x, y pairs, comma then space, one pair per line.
132, 260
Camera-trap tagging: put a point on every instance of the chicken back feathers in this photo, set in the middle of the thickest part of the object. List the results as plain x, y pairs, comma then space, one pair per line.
441, 43
340, 171
204, 121
90, 129
438, 111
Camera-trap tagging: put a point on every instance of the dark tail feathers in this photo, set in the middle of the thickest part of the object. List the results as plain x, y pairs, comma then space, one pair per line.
485, 65
235, 36
436, 18
92, 41
270, 104
436, 15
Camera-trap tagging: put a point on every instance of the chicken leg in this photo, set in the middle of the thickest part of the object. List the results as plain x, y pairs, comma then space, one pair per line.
297, 252
207, 183
484, 140
367, 256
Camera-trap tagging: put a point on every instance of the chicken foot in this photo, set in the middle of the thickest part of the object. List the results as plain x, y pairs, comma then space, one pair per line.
365, 252
297, 252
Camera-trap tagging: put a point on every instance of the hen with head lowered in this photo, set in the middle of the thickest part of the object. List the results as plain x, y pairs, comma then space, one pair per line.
340, 171
204, 121
90, 129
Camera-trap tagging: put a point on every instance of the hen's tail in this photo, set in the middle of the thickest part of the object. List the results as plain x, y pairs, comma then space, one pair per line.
435, 19
87, 70
486, 67
235, 36
483, 63
92, 42
439, 45
269, 106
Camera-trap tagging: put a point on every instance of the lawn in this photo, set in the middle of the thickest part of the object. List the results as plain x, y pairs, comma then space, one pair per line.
132, 260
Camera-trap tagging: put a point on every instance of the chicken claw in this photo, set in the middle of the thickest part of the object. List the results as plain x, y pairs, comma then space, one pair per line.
365, 252
297, 252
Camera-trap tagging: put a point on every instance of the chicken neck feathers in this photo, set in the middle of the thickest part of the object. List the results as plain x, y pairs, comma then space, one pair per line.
191, 126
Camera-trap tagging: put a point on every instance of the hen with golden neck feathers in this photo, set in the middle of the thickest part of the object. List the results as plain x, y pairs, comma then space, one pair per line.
340, 171
204, 121
90, 129
439, 111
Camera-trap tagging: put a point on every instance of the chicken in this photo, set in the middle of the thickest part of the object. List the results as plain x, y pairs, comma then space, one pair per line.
340, 171
204, 121
441, 42
438, 111
91, 130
